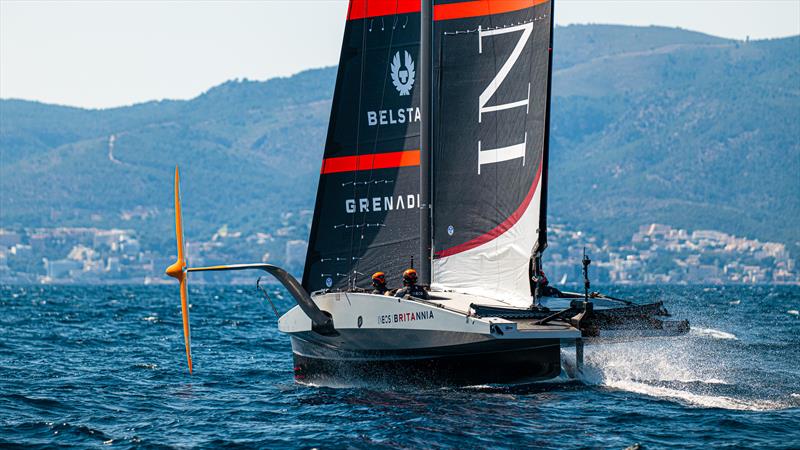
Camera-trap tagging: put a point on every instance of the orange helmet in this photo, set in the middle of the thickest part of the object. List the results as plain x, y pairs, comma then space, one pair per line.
410, 276
378, 278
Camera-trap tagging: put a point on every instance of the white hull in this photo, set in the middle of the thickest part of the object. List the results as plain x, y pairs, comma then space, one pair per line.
402, 324
422, 339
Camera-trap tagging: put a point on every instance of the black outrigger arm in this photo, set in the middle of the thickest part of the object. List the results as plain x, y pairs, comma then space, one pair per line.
321, 322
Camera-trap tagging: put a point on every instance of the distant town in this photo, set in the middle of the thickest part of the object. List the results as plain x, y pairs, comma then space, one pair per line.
662, 254
656, 253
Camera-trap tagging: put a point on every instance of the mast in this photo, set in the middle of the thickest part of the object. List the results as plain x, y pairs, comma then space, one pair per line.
535, 270
541, 242
426, 141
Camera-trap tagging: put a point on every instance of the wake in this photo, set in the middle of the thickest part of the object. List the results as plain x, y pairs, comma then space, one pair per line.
712, 333
684, 370
699, 400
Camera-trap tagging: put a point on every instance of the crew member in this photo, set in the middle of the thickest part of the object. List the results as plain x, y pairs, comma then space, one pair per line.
545, 290
379, 283
543, 281
410, 286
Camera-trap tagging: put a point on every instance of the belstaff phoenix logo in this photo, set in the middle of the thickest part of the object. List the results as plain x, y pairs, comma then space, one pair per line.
403, 77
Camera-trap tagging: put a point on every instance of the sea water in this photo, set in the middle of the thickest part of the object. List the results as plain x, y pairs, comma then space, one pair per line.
105, 366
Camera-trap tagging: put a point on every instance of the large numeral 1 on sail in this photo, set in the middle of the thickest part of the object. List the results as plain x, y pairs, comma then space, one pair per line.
512, 151
496, 155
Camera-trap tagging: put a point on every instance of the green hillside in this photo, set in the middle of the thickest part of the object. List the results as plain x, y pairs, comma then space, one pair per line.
697, 133
649, 125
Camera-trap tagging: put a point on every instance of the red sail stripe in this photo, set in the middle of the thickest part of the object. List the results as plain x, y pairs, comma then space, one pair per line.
361, 9
477, 8
498, 230
364, 9
389, 160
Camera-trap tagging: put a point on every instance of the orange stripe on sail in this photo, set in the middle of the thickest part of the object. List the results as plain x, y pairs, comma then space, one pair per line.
477, 8
364, 9
360, 9
407, 158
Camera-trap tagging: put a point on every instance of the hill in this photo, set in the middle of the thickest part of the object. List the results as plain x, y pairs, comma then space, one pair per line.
696, 131
650, 124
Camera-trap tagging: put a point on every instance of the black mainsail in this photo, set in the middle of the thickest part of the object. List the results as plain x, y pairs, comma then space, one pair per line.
491, 87
489, 66
367, 208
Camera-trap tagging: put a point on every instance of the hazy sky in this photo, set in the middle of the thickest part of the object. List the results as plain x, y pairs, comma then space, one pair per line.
102, 54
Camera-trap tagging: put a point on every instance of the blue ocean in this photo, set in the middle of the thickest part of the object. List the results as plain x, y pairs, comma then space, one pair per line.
105, 366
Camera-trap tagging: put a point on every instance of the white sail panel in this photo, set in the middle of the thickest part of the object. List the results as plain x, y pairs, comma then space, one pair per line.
498, 268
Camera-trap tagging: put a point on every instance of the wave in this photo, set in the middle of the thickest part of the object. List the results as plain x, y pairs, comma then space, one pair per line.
679, 370
41, 402
712, 333
701, 400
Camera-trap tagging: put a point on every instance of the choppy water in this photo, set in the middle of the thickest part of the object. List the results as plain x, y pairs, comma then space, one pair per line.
96, 366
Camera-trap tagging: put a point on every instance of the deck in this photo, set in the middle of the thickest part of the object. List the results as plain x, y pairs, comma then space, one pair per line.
460, 302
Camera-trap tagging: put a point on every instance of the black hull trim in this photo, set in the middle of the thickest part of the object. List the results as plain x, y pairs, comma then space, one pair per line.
506, 367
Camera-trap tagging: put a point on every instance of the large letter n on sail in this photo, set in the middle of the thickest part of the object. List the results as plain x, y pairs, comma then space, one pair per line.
512, 151
527, 29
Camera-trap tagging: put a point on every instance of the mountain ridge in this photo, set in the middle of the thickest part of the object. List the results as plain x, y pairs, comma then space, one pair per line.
645, 119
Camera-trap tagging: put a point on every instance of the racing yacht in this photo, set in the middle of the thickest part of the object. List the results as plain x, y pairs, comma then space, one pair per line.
436, 158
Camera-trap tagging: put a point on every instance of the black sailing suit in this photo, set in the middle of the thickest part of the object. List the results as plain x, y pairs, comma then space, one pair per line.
413, 290
380, 290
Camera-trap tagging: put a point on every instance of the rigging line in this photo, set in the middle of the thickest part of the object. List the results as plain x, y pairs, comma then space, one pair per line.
358, 127
546, 135
377, 133
259, 287
437, 131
